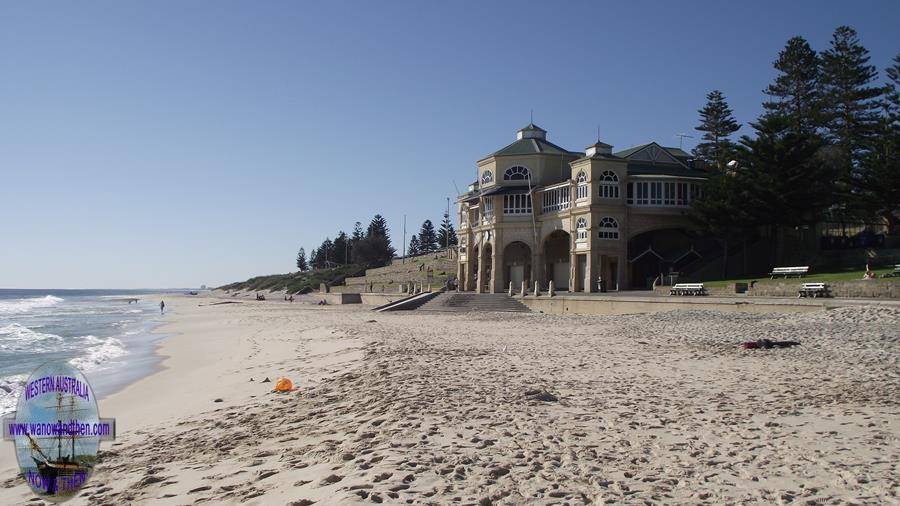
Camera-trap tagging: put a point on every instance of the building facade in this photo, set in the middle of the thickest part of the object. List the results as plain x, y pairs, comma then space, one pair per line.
539, 212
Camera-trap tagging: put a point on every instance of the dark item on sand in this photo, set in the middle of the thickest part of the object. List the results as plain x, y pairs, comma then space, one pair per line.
768, 344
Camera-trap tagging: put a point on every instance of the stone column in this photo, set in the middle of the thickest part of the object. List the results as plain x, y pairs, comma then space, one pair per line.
537, 268
591, 273
479, 280
496, 269
573, 269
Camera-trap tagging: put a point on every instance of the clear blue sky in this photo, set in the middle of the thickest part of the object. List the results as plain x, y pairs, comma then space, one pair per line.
161, 144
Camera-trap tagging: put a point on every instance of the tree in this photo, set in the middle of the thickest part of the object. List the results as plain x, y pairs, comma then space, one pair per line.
357, 233
850, 102
324, 255
795, 92
341, 248
413, 246
314, 258
378, 227
788, 177
721, 210
374, 250
446, 234
718, 123
427, 238
301, 260
878, 177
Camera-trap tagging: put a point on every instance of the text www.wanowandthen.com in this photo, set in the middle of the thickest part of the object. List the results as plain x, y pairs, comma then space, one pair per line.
71, 428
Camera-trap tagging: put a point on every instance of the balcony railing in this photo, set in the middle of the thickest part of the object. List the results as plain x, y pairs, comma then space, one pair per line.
556, 199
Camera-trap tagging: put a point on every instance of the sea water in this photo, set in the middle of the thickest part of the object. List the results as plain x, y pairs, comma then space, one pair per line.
98, 331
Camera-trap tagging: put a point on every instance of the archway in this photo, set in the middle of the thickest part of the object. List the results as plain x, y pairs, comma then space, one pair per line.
517, 264
662, 253
486, 260
472, 278
556, 258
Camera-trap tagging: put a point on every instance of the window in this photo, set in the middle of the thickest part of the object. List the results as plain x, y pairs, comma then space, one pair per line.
581, 228
488, 210
581, 191
556, 199
669, 194
517, 173
609, 228
517, 204
662, 193
609, 185
487, 177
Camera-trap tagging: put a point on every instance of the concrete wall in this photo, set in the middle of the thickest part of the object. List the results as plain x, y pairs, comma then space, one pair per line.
377, 299
339, 298
593, 305
874, 288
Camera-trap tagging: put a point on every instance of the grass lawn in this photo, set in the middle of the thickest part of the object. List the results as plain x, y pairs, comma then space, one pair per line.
831, 276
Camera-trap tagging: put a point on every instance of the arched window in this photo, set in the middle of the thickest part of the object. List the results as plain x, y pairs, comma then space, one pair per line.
487, 177
581, 191
581, 228
516, 173
609, 228
609, 185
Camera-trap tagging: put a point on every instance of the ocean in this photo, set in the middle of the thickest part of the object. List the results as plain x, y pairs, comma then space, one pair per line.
98, 331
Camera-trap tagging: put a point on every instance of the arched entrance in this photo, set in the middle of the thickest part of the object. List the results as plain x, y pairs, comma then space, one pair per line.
663, 253
486, 262
517, 264
556, 258
472, 278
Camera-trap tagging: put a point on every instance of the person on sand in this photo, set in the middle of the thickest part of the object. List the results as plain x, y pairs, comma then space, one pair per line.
162, 306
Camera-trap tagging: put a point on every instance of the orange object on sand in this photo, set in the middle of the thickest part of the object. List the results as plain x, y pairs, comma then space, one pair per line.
284, 385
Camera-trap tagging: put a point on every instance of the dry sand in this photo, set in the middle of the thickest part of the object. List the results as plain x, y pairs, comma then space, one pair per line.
412, 407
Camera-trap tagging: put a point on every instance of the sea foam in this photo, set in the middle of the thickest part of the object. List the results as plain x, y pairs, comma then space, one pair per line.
18, 306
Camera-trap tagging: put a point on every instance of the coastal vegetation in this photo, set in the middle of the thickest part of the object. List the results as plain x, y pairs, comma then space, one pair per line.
825, 148
297, 282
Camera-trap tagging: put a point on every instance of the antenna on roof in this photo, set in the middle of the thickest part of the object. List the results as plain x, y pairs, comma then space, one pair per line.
598, 133
681, 139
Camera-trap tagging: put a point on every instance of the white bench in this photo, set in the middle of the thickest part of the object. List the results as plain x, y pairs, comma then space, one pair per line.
789, 271
813, 290
688, 289
895, 274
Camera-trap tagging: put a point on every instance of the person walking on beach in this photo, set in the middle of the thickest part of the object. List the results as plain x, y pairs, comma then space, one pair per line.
162, 307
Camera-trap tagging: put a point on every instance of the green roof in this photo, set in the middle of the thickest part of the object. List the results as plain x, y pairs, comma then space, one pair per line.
630, 151
676, 152
533, 146
532, 126
641, 169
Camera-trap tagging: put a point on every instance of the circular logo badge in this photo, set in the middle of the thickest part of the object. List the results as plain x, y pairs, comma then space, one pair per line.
57, 431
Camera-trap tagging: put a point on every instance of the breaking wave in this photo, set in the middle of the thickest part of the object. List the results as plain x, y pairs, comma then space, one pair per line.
18, 306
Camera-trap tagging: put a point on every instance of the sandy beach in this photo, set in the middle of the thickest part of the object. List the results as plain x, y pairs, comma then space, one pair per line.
482, 408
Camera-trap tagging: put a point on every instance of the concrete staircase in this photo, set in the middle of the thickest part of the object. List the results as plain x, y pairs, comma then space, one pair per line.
463, 302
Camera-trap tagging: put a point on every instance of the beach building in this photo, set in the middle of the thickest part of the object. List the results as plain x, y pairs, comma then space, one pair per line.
539, 212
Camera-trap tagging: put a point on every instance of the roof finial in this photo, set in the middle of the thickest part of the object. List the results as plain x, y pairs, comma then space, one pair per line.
532, 117
598, 133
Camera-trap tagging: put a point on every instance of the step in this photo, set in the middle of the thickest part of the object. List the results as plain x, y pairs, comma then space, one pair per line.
462, 302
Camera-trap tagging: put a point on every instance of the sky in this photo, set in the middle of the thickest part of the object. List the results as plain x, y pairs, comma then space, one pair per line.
173, 144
